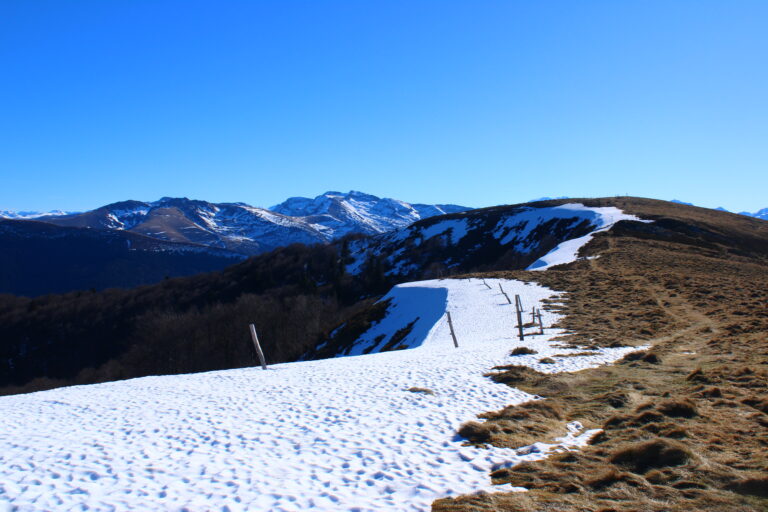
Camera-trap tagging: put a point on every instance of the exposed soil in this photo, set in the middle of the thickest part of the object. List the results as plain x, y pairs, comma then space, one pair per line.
685, 424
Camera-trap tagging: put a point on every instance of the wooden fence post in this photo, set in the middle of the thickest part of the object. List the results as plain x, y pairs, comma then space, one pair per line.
541, 324
453, 334
519, 311
258, 347
509, 301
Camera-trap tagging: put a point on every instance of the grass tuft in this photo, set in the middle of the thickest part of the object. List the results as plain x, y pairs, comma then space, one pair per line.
424, 391
477, 433
658, 453
678, 408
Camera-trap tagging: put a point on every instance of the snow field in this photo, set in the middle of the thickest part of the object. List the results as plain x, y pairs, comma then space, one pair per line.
335, 434
602, 218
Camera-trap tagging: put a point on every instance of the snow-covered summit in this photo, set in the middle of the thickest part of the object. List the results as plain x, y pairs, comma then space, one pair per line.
358, 212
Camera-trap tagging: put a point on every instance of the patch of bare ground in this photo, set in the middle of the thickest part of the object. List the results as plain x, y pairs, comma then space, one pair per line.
684, 424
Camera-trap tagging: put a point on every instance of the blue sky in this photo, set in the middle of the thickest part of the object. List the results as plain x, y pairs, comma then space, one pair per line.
474, 102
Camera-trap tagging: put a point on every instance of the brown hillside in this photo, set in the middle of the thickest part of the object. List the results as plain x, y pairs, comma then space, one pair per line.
685, 424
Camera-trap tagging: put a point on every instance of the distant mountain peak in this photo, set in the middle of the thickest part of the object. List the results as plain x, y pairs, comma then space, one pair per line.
359, 212
30, 215
760, 214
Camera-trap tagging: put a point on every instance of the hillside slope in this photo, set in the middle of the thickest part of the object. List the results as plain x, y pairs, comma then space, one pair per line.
297, 295
38, 258
367, 433
684, 425
517, 236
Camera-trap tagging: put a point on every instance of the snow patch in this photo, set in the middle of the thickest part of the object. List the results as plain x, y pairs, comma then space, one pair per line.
566, 252
457, 228
335, 434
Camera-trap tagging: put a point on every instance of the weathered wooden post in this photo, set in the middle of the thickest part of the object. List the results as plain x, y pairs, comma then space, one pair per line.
258, 347
541, 324
509, 301
519, 311
533, 315
453, 334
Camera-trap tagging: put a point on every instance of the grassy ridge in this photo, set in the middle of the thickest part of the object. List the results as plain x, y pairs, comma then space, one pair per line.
685, 425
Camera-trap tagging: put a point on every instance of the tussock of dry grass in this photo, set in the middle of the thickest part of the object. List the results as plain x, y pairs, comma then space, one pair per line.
517, 425
645, 455
423, 391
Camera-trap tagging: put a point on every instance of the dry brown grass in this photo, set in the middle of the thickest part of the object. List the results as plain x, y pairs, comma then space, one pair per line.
685, 424
522, 351
516, 426
575, 354
423, 391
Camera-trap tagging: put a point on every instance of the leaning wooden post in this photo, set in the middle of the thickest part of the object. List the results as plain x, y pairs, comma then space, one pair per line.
518, 310
453, 334
258, 347
509, 301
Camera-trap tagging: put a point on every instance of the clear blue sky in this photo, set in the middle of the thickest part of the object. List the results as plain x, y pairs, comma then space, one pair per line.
473, 102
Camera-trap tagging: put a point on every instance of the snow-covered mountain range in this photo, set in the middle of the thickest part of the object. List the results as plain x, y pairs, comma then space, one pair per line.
245, 229
32, 215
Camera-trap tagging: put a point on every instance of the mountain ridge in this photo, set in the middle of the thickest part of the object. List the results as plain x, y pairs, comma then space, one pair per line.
300, 294
245, 229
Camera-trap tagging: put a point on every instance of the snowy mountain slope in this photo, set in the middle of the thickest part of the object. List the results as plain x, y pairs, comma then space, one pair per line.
336, 434
231, 226
249, 230
601, 219
536, 237
357, 212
